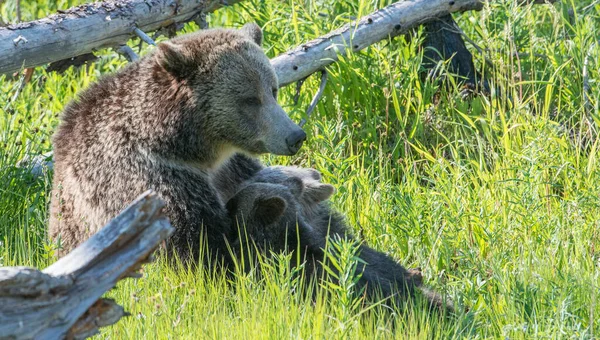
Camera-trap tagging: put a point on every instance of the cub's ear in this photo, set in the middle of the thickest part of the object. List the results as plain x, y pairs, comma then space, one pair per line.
318, 192
253, 31
295, 185
314, 174
269, 210
173, 58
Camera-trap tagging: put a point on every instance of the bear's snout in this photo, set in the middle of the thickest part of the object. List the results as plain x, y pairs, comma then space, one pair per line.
295, 140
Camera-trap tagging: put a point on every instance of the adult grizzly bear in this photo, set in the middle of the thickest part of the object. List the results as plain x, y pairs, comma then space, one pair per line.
166, 123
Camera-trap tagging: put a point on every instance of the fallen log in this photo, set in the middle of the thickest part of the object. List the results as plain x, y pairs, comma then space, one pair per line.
83, 29
395, 19
64, 300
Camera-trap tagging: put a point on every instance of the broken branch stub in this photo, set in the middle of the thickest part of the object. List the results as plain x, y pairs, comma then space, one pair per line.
64, 299
315, 100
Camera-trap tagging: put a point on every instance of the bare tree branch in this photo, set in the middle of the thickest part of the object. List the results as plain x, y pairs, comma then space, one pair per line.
315, 100
128, 53
143, 36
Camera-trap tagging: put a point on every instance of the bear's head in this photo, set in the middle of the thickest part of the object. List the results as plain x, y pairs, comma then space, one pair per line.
232, 88
269, 213
265, 204
277, 197
265, 213
308, 189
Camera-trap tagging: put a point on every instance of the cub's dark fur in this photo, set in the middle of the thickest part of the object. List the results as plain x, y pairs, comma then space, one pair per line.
269, 210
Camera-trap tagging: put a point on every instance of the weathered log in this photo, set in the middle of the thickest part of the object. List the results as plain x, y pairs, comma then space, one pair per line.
64, 299
83, 29
390, 21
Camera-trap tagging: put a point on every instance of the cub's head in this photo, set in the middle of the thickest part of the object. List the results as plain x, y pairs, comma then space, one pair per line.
267, 213
305, 184
232, 88
270, 214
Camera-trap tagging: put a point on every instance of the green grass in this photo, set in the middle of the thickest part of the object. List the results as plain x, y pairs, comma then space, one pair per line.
497, 198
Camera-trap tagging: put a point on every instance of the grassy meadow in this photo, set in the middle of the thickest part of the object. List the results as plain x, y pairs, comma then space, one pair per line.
496, 198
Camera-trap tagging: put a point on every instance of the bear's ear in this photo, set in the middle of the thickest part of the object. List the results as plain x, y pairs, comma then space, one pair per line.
314, 174
253, 31
173, 59
295, 185
318, 192
269, 210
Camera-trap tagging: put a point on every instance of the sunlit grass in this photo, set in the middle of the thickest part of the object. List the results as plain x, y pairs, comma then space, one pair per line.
497, 198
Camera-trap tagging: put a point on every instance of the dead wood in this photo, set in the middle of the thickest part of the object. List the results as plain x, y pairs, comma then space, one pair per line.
64, 300
86, 28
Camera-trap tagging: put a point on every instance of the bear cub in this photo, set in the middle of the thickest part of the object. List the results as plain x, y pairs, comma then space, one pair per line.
270, 211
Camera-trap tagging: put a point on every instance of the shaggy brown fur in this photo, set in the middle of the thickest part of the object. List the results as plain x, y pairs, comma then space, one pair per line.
166, 123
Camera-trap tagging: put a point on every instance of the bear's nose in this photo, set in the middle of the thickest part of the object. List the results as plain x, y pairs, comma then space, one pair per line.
295, 141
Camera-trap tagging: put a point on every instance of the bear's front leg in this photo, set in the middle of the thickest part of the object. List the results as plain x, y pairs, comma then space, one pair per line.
198, 215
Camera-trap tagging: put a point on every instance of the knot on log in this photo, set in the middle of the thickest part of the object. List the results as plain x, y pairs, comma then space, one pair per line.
104, 312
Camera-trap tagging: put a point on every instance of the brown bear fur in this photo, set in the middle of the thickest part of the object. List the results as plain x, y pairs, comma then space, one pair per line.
166, 123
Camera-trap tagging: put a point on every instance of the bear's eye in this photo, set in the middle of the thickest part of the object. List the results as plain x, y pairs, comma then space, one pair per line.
252, 101
275, 93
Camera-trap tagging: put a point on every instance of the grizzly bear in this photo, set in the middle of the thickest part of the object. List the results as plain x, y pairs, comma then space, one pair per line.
269, 211
315, 192
166, 123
